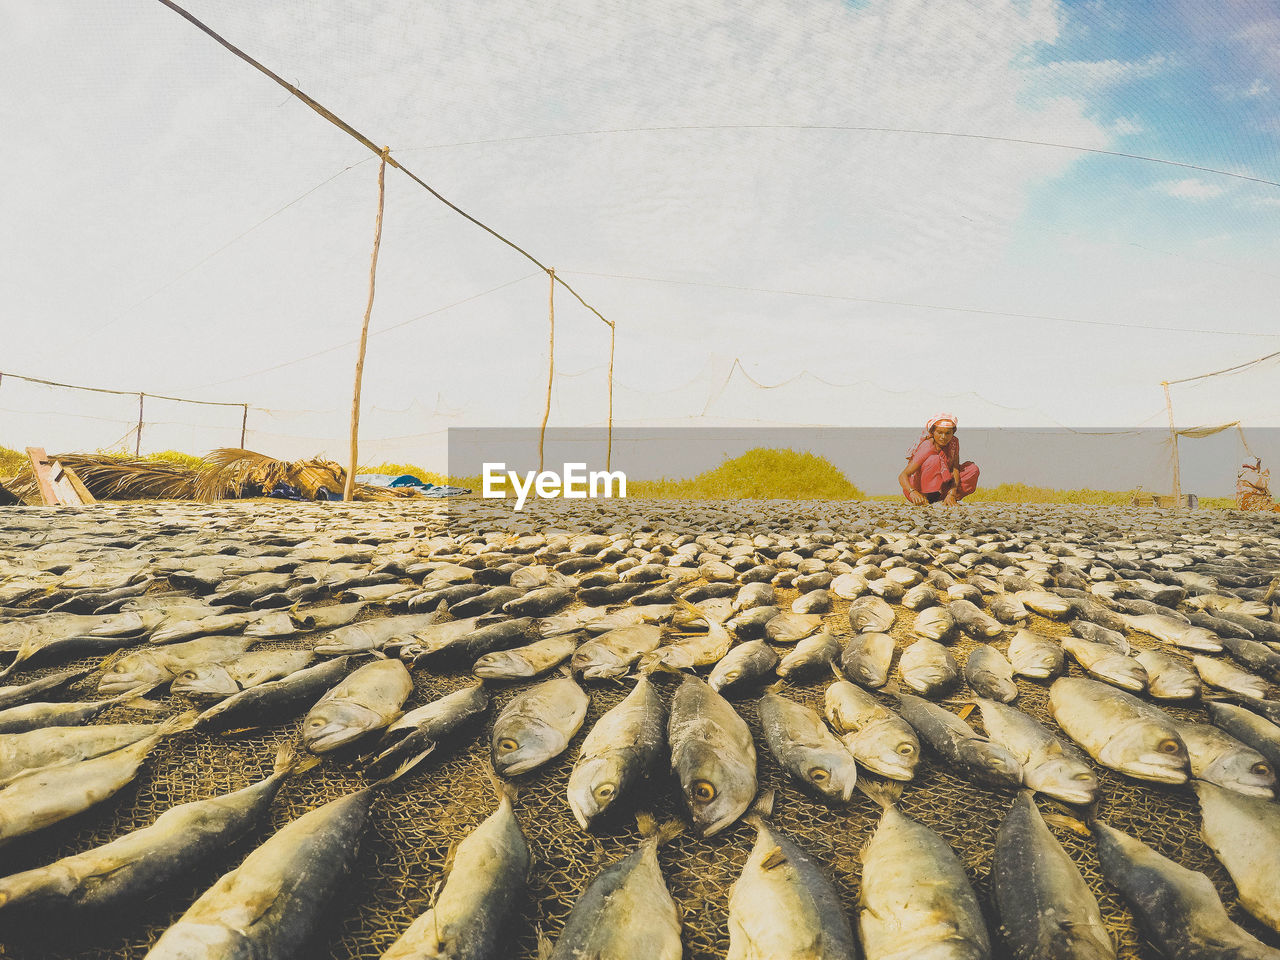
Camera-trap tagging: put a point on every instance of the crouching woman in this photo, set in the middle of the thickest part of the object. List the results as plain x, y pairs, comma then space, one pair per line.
934, 471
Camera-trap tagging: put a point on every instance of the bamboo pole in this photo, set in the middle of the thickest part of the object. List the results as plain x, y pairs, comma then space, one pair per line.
608, 455
137, 440
349, 489
551, 363
244, 425
1173, 436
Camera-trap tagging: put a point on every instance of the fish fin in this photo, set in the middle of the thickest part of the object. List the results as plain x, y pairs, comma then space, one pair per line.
762, 807
966, 709
503, 789
776, 687
647, 824
892, 687
775, 858
698, 614
1078, 827
651, 664
404, 768
545, 946
180, 723
886, 793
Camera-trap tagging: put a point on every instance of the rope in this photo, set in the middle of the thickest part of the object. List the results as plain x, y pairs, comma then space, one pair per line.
119, 393
1238, 366
362, 139
991, 138
375, 333
922, 306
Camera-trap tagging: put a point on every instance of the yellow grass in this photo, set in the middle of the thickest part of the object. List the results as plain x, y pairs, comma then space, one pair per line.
757, 474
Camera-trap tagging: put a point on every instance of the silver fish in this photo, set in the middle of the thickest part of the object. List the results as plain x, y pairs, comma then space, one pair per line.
928, 668
143, 862
973, 621
232, 676
712, 755
746, 663
784, 905
614, 653
1178, 909
531, 660
915, 899
1244, 834
959, 744
1118, 730
626, 911
1049, 766
1047, 911
990, 674
867, 659
877, 737
369, 699
270, 904
537, 725
811, 655
620, 750
1227, 676
1167, 678
934, 623
1176, 632
870, 615
1035, 656
803, 745
790, 627
157, 665
1107, 663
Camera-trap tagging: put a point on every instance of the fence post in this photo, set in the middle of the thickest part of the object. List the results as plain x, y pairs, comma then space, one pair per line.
551, 364
137, 446
349, 489
244, 425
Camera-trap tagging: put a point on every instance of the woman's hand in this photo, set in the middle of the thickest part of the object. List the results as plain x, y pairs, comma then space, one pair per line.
918, 498
950, 499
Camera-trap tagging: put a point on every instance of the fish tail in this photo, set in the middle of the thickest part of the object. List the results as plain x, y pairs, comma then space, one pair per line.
698, 614
545, 946
835, 671
179, 723
289, 762
404, 768
886, 793
1078, 827
762, 807
503, 789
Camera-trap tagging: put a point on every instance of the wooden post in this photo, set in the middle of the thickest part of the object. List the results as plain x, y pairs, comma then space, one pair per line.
40, 469
244, 425
551, 364
349, 488
137, 444
608, 454
1173, 436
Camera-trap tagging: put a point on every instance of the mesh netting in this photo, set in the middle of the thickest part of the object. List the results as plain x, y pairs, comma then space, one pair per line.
417, 820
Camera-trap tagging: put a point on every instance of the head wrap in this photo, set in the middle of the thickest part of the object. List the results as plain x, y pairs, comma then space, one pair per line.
928, 430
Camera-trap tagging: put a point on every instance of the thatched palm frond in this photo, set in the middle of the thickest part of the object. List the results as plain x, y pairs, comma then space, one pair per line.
116, 477
231, 472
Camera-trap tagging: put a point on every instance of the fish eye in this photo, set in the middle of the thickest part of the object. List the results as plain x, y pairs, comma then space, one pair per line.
506, 745
703, 791
188, 675
731, 675
1260, 769
1083, 775
906, 749
819, 775
1168, 746
605, 791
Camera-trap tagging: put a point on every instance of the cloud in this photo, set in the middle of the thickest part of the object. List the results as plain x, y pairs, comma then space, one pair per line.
1091, 77
1192, 188
1127, 126
1258, 88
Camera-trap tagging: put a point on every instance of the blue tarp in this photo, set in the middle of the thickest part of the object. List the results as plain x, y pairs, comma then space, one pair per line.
409, 480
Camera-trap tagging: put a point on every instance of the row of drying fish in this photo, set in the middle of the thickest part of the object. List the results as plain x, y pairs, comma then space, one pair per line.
915, 898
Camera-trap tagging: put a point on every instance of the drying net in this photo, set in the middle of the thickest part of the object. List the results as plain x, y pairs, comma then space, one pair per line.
417, 821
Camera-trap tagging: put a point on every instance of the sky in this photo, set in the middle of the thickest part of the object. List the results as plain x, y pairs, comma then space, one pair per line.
817, 213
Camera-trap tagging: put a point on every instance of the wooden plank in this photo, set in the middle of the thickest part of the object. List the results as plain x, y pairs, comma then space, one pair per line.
81, 490
62, 486
40, 470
